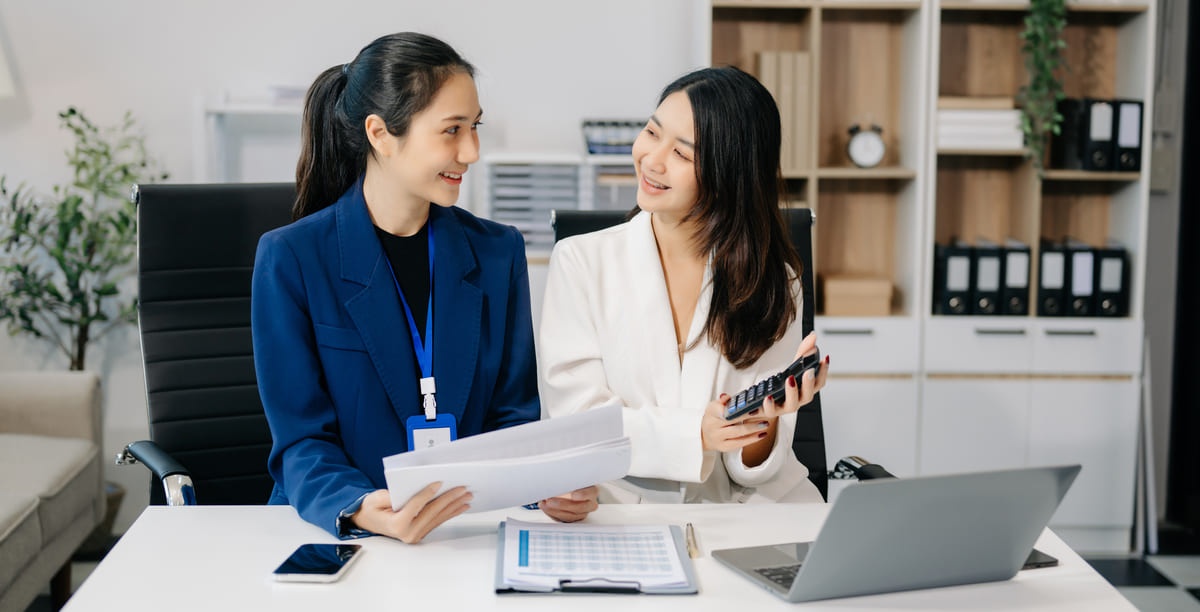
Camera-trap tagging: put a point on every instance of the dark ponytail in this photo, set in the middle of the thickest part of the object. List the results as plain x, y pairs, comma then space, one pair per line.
395, 77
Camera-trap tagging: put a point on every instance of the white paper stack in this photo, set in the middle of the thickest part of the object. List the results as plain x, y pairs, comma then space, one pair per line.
979, 129
518, 465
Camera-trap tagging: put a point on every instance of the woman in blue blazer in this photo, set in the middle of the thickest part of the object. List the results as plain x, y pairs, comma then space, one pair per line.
381, 287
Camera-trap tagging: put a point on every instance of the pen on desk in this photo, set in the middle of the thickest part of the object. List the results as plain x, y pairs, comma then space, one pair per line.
693, 549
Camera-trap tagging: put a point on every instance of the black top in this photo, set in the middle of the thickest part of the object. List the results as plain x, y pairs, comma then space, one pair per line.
409, 256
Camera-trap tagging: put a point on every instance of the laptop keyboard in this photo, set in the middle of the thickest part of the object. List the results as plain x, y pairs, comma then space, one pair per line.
783, 575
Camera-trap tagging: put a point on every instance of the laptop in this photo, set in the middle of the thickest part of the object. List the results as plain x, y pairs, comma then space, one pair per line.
914, 533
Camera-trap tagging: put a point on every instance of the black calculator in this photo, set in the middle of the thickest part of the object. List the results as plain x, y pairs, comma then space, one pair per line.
773, 386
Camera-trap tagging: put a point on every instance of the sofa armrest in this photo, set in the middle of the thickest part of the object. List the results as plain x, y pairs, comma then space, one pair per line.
51, 403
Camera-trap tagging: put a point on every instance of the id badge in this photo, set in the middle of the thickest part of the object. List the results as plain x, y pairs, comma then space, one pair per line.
427, 434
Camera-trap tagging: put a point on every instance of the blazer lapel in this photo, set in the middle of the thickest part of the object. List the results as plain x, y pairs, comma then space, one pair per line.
390, 346
698, 375
651, 316
458, 308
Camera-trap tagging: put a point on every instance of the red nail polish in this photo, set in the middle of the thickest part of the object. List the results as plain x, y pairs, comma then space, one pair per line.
762, 434
791, 381
827, 360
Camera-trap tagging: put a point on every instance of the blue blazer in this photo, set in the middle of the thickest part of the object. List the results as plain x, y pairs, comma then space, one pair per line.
334, 357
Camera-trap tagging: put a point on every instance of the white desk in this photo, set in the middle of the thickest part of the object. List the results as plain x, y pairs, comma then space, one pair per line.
219, 558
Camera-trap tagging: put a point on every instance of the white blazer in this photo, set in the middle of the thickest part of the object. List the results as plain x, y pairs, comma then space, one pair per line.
607, 337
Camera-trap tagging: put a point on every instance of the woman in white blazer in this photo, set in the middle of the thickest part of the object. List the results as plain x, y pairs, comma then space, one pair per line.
695, 298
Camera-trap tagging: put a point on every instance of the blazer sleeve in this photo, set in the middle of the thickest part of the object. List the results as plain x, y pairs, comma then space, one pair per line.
307, 459
516, 391
665, 440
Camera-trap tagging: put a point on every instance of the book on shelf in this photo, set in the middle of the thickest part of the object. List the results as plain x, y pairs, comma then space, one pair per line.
998, 117
981, 141
975, 102
788, 75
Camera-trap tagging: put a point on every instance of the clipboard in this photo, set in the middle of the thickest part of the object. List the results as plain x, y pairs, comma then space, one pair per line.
601, 584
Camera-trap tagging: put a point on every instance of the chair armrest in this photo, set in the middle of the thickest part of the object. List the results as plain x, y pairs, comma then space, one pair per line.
47, 403
176, 480
855, 467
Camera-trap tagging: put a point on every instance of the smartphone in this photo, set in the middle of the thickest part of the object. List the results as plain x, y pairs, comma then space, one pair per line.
772, 386
318, 562
1038, 558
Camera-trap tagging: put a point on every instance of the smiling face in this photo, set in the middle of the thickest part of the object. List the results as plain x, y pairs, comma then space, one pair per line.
427, 163
664, 157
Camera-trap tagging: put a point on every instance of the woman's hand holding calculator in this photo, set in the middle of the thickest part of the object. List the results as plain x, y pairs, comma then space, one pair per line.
733, 422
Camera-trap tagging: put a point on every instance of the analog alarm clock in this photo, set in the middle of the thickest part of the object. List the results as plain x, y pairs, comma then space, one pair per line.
866, 146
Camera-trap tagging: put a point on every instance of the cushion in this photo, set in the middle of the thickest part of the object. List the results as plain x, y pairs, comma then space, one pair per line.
20, 535
63, 473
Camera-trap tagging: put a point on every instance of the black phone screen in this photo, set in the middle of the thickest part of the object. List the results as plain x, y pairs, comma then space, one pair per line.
317, 561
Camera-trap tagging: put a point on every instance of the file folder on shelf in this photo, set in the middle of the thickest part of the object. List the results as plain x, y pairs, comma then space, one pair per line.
1128, 130
1080, 278
1086, 138
1014, 293
563, 558
987, 269
1052, 280
952, 278
1112, 281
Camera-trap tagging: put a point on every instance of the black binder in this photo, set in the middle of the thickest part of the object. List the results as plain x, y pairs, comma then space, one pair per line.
987, 270
1086, 138
1080, 278
952, 278
1052, 277
1127, 131
1112, 281
1014, 291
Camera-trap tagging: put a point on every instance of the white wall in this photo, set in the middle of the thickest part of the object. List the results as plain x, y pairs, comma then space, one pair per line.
543, 65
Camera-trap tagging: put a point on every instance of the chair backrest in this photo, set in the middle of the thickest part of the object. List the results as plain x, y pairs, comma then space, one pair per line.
196, 246
809, 441
570, 222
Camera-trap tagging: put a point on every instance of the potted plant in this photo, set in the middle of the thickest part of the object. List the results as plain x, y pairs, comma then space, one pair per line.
64, 256
1042, 45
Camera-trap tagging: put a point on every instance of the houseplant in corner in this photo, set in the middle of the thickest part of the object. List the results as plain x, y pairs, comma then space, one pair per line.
64, 255
1041, 45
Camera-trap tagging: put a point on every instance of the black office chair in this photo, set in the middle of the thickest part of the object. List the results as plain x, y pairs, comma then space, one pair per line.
570, 222
196, 246
809, 441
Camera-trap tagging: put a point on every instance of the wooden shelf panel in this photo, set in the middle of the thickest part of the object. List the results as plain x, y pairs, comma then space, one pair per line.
981, 55
985, 197
1087, 175
1080, 210
1023, 5
885, 5
1091, 51
779, 4
856, 231
855, 173
862, 78
738, 34
870, 5
982, 152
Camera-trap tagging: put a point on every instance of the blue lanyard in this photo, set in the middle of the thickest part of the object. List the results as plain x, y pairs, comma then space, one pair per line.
424, 349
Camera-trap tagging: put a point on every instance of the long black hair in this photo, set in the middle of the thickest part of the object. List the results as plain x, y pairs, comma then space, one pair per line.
737, 212
395, 77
